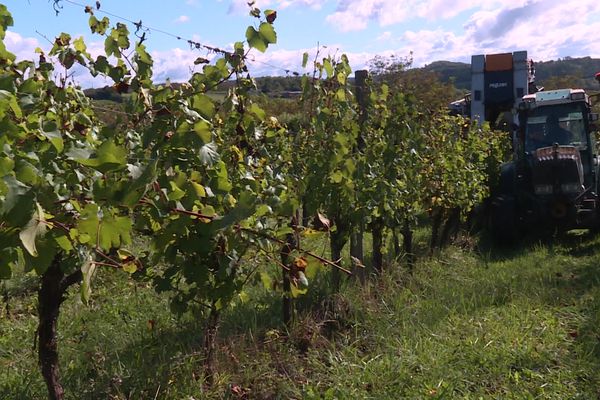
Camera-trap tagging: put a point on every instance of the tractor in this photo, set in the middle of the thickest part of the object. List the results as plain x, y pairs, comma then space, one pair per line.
552, 181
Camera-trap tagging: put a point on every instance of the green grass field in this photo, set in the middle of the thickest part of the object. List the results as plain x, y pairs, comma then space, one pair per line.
471, 323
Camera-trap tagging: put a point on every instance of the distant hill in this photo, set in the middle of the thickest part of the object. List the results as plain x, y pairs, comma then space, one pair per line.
448, 71
580, 70
276, 86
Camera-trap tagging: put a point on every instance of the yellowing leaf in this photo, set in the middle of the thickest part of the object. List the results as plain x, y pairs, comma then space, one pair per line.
312, 268
176, 193
266, 280
267, 32
125, 255
296, 291
64, 243
199, 189
209, 211
204, 105
87, 270
336, 176
310, 232
34, 228
259, 112
244, 297
300, 263
202, 129
130, 267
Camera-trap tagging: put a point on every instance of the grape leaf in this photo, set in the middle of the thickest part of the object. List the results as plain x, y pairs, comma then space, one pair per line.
36, 226
88, 270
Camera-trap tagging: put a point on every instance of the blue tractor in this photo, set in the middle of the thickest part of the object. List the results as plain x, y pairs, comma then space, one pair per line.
552, 181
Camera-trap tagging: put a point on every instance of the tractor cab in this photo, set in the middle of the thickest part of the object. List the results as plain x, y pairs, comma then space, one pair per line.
557, 125
562, 124
553, 181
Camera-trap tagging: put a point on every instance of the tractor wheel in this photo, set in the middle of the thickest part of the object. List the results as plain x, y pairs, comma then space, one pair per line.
503, 220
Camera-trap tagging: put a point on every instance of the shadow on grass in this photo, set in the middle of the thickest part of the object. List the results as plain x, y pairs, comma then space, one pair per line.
138, 369
141, 368
579, 243
168, 360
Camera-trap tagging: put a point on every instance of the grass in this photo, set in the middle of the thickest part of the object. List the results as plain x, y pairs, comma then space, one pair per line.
470, 323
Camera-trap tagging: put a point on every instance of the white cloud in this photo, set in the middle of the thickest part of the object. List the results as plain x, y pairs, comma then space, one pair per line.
22, 47
547, 29
347, 21
241, 6
354, 15
443, 9
176, 64
286, 62
387, 35
182, 19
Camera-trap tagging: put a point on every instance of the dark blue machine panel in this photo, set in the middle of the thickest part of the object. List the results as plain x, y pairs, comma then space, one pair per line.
499, 87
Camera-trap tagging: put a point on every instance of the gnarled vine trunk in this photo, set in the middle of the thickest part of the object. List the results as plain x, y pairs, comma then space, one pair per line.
210, 343
396, 241
377, 236
285, 252
451, 227
407, 244
436, 223
357, 251
50, 296
337, 244
337, 241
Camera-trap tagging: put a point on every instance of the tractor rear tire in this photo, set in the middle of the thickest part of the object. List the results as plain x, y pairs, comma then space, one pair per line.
503, 220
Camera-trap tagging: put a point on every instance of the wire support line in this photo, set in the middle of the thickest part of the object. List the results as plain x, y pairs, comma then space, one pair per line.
287, 71
140, 26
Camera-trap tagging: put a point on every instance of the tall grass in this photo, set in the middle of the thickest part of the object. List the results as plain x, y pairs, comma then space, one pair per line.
469, 323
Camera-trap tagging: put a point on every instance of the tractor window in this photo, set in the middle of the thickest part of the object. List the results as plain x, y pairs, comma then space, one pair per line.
560, 123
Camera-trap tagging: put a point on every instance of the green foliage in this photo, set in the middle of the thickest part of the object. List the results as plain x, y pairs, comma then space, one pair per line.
329, 139
418, 158
265, 35
56, 156
213, 185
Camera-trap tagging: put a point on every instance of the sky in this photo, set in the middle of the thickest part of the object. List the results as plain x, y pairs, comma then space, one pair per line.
430, 30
